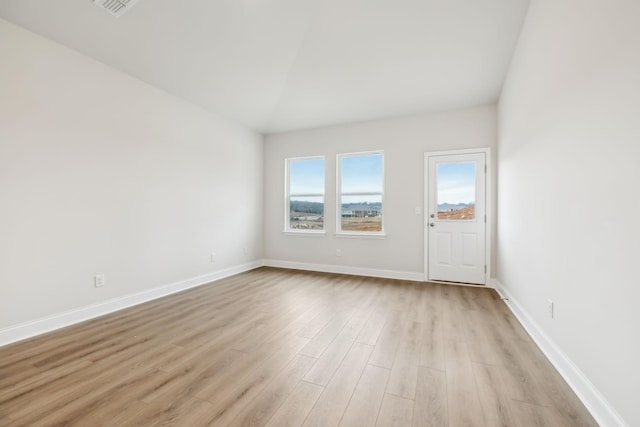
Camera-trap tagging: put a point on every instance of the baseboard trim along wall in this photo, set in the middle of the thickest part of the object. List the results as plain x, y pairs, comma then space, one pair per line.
343, 269
590, 396
50, 323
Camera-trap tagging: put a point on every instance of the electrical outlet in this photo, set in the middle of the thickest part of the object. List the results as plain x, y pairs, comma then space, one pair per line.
338, 252
99, 280
213, 257
550, 308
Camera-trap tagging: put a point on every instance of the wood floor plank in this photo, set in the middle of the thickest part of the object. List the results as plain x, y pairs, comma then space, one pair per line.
295, 409
230, 353
519, 381
372, 329
334, 400
315, 325
507, 324
560, 397
493, 393
156, 355
432, 343
395, 412
128, 414
326, 335
116, 400
192, 378
48, 395
366, 400
12, 376
326, 366
67, 404
453, 324
462, 393
404, 374
387, 345
428, 302
370, 292
240, 390
185, 410
36, 380
530, 415
430, 404
227, 377
483, 345
261, 409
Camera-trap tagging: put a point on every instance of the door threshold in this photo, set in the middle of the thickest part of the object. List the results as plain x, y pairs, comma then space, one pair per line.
446, 282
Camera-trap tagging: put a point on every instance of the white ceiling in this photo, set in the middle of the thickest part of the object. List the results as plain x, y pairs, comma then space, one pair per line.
277, 65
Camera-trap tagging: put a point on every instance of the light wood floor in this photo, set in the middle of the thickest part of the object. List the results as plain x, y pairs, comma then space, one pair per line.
283, 348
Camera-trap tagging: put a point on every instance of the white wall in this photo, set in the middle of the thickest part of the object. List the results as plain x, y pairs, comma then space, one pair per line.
404, 142
569, 147
100, 173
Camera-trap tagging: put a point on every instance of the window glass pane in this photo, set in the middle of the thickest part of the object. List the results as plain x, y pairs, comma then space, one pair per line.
361, 213
456, 196
306, 176
361, 174
306, 213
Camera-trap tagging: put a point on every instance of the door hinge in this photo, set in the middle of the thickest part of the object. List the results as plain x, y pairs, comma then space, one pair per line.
485, 219
485, 269
485, 168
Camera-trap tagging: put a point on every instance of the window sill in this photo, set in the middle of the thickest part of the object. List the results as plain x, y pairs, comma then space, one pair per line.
305, 233
362, 235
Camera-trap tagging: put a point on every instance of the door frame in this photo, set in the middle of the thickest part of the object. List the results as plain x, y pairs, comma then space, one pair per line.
488, 208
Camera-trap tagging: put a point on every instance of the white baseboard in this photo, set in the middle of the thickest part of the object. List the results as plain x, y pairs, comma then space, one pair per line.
50, 323
590, 396
341, 269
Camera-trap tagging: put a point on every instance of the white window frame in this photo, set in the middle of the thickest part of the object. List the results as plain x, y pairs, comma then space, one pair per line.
339, 194
288, 195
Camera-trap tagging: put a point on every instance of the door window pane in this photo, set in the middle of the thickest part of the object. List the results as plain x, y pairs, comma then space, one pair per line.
456, 191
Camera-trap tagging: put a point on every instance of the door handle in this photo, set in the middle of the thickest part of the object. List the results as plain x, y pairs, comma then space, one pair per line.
432, 224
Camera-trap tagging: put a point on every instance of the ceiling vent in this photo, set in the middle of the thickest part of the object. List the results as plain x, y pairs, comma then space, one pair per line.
115, 7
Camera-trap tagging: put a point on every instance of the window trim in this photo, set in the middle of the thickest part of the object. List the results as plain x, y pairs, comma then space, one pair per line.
288, 195
339, 194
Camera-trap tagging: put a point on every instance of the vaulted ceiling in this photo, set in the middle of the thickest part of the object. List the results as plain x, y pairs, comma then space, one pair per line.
277, 65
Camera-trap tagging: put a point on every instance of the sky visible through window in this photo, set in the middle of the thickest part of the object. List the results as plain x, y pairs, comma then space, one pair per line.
306, 176
456, 183
361, 174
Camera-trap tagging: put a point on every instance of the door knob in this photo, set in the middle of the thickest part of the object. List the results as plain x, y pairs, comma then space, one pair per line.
432, 215
432, 224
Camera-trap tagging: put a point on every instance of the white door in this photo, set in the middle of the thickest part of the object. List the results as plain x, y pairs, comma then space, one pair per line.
456, 222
